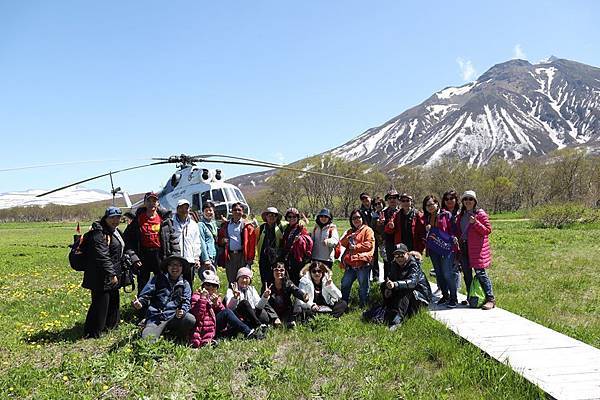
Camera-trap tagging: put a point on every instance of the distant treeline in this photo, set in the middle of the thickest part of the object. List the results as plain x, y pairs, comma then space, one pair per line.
565, 176
52, 212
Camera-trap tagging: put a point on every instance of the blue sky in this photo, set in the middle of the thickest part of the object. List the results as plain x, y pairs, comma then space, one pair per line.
273, 80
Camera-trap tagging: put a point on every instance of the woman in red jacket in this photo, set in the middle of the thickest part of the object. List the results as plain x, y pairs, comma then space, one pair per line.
359, 242
473, 230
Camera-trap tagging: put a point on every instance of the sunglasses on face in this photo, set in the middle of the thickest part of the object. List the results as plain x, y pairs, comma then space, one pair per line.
399, 255
291, 217
316, 271
404, 200
468, 199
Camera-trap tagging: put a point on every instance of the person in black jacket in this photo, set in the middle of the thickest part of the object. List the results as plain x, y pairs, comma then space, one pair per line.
150, 237
279, 295
406, 289
104, 247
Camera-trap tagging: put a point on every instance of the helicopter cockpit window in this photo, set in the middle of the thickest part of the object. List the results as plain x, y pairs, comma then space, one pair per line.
239, 194
205, 196
217, 195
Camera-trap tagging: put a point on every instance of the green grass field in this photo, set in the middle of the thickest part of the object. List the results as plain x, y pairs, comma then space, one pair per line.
544, 275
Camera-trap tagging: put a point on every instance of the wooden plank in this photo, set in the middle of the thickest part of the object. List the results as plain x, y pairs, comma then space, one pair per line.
563, 367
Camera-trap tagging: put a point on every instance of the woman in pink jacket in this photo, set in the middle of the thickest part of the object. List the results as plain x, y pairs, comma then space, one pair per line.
473, 230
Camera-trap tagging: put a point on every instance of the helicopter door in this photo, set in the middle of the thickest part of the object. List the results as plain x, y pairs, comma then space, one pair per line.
196, 201
205, 196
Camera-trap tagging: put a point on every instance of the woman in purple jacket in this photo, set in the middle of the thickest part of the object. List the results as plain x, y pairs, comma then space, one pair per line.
473, 229
443, 263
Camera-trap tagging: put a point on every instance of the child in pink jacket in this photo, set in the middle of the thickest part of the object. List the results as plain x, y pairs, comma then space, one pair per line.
212, 318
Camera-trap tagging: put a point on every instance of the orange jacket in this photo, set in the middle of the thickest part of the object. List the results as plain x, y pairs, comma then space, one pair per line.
364, 246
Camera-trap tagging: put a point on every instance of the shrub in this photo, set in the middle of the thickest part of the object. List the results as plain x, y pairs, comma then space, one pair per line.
563, 215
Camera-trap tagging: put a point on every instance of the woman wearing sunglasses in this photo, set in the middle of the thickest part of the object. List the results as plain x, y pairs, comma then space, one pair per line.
474, 229
297, 244
323, 296
359, 242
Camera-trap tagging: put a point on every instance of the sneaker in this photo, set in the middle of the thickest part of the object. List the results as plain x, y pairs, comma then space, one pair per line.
489, 304
441, 301
395, 327
255, 334
451, 304
291, 325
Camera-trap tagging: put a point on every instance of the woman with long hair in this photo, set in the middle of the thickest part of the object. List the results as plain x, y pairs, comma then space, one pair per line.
474, 230
436, 221
359, 242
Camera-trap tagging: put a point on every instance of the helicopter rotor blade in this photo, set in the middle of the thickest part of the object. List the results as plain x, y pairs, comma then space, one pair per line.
100, 176
283, 167
266, 163
65, 163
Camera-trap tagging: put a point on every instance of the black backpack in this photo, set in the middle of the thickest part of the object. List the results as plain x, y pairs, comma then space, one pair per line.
78, 253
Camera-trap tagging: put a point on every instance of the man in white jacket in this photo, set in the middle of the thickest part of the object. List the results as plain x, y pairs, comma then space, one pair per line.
187, 231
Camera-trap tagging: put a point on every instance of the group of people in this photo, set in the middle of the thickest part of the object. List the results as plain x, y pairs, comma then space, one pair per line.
294, 264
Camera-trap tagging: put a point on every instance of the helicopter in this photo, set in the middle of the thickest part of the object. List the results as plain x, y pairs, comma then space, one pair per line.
198, 185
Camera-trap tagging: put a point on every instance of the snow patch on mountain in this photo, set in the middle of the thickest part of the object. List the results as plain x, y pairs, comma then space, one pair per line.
455, 91
70, 196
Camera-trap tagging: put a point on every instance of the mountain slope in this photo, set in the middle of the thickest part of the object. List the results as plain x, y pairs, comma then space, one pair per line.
515, 109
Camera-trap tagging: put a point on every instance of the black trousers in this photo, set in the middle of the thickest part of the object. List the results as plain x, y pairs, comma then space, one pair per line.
254, 317
103, 312
337, 311
150, 259
400, 305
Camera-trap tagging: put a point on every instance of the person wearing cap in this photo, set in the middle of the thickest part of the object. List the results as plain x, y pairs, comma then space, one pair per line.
147, 237
297, 244
269, 246
359, 242
406, 289
237, 240
104, 245
213, 319
388, 214
474, 228
325, 238
167, 299
406, 225
248, 305
189, 244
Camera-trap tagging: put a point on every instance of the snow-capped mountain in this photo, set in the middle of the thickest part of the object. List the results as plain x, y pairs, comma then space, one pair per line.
70, 196
515, 109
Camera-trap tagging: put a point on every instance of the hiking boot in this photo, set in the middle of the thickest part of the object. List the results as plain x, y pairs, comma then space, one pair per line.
451, 304
489, 304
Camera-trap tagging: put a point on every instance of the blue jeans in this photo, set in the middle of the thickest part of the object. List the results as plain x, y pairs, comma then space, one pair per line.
348, 279
480, 274
227, 318
445, 274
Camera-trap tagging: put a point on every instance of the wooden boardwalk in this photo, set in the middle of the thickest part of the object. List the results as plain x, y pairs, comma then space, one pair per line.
563, 367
